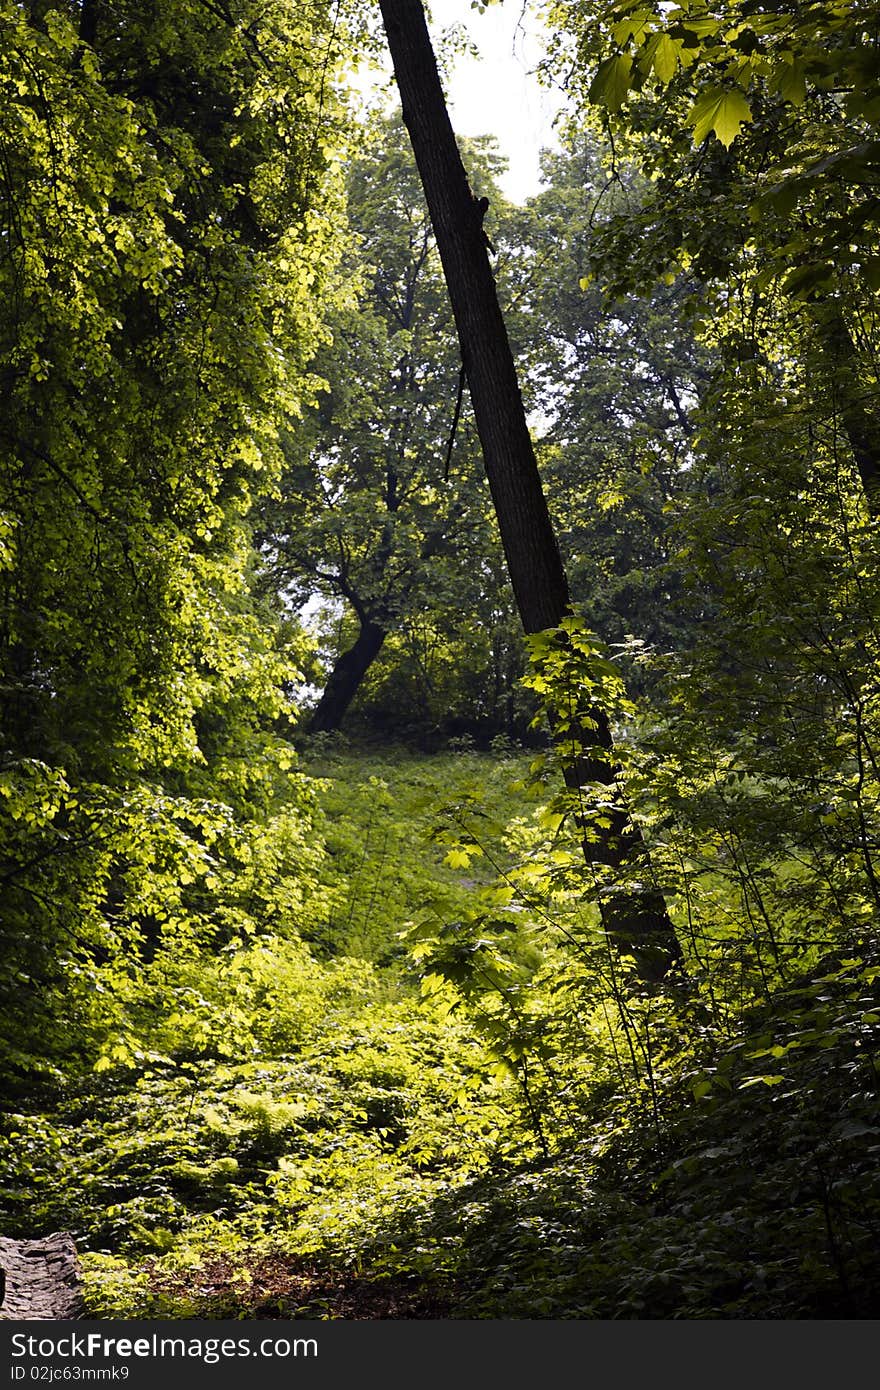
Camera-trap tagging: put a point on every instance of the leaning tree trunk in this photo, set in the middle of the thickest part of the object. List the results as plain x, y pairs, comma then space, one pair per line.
345, 678
857, 404
354, 663
638, 920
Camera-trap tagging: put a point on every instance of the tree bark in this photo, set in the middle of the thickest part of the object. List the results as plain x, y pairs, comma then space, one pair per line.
860, 420
636, 920
88, 22
345, 678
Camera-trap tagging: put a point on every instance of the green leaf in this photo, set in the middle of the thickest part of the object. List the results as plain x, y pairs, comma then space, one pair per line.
783, 198
722, 110
612, 82
789, 81
662, 53
459, 858
701, 27
801, 282
633, 27
871, 271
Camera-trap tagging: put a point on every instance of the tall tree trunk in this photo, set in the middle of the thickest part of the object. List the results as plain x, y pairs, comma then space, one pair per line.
636, 920
346, 676
857, 403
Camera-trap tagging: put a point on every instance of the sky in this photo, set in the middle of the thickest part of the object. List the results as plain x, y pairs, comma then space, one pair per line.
496, 95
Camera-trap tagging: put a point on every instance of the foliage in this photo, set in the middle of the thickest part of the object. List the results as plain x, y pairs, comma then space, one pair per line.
375, 514
253, 1093
613, 388
758, 1201
285, 1027
508, 1118
166, 259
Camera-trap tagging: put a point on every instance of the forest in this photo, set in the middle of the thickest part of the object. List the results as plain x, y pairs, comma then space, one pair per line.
440, 700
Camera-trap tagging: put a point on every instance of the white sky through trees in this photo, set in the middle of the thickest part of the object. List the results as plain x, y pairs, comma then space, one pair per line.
497, 93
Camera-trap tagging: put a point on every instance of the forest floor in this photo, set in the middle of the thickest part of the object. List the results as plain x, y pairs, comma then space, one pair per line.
280, 1287
361, 1125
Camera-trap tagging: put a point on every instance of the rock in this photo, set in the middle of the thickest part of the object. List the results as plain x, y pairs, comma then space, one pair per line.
42, 1278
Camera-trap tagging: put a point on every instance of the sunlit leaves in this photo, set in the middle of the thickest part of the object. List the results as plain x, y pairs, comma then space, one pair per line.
165, 273
719, 111
821, 46
612, 80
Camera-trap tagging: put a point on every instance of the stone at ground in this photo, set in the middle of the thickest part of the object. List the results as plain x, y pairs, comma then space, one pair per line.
42, 1278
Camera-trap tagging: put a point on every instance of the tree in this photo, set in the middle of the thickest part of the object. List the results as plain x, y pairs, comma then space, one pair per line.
379, 508
758, 128
165, 254
766, 753
537, 576
614, 386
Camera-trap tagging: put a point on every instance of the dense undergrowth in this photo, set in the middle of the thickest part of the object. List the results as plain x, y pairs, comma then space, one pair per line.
424, 1104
